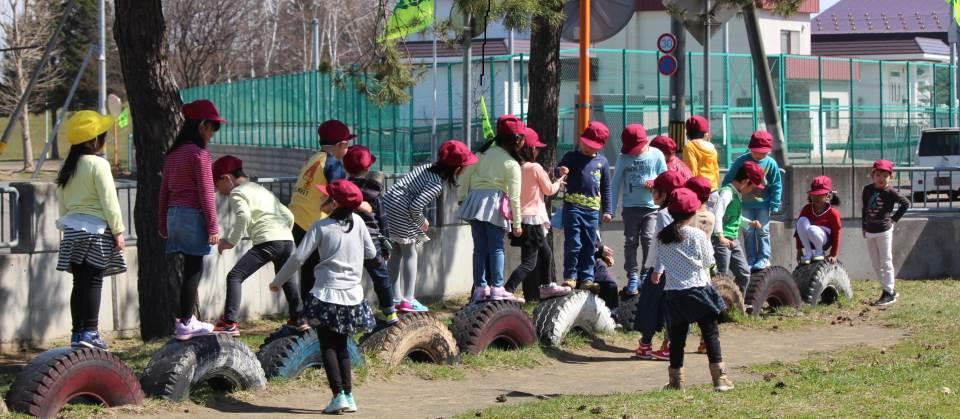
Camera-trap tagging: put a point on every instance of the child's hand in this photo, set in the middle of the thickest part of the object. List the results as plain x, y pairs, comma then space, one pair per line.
426, 226
562, 181
224, 245
274, 288
756, 224
213, 239
365, 208
563, 171
606, 218
517, 231
164, 236
649, 184
725, 242
655, 278
832, 259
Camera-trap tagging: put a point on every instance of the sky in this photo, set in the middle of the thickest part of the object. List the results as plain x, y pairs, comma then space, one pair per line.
826, 4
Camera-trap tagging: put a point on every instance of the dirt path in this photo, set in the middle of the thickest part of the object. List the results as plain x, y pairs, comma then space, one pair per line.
598, 370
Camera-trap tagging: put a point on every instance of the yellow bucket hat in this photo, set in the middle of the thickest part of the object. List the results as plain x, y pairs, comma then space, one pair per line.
84, 126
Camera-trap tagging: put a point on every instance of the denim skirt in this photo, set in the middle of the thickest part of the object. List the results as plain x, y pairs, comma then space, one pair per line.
187, 232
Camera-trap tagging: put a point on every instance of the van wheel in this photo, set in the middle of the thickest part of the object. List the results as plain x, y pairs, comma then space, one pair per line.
919, 196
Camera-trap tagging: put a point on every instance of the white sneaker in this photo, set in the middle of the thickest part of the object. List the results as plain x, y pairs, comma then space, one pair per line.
192, 329
817, 255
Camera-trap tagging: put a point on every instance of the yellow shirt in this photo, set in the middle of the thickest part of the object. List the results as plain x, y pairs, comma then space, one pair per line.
701, 157
305, 200
91, 191
495, 170
259, 213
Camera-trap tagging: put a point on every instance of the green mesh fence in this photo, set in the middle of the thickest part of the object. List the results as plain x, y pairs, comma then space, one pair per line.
834, 110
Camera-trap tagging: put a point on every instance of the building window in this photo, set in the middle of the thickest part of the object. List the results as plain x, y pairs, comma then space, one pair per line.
831, 112
788, 41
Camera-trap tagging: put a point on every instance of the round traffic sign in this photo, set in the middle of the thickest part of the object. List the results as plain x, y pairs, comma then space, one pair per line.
667, 65
666, 43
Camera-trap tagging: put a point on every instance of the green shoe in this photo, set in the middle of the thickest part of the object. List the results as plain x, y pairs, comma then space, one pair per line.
352, 404
338, 404
391, 318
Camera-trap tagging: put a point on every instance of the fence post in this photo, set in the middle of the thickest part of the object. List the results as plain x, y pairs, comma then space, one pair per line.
909, 117
880, 117
820, 123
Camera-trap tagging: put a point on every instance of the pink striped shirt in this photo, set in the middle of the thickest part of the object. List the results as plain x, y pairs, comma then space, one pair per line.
188, 182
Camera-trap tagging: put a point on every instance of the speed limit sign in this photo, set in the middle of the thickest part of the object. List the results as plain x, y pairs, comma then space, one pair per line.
667, 43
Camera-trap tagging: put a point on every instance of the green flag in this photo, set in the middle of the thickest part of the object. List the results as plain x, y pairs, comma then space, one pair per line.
487, 127
955, 4
409, 17
124, 118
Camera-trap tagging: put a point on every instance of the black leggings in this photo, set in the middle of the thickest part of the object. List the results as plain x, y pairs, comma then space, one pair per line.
306, 270
336, 360
192, 271
85, 297
261, 254
531, 256
710, 330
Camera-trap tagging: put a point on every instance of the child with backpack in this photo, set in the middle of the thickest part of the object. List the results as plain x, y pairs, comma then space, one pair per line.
728, 217
879, 220
637, 166
406, 202
684, 251
818, 227
699, 153
259, 215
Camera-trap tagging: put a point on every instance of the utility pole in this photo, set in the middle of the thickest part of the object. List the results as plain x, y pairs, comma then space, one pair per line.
583, 107
467, 77
771, 114
315, 35
678, 86
102, 57
706, 59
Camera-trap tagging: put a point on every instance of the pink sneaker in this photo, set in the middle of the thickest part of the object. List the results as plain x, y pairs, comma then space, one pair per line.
480, 294
500, 293
193, 328
552, 290
404, 307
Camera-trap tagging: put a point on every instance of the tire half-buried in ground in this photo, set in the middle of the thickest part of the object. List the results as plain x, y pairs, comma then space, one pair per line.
727, 287
583, 310
57, 376
771, 288
503, 324
822, 282
218, 359
289, 356
418, 336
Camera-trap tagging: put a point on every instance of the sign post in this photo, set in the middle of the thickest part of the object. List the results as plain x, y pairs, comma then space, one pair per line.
114, 106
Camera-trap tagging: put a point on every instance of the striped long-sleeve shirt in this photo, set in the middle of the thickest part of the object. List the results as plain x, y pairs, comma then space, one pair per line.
188, 182
406, 201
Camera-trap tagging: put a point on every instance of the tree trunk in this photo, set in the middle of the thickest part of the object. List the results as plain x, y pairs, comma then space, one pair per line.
544, 76
155, 106
25, 135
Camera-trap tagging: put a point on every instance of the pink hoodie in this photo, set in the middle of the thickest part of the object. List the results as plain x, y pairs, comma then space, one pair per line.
535, 184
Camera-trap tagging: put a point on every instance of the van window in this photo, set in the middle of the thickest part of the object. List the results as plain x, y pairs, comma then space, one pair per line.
939, 143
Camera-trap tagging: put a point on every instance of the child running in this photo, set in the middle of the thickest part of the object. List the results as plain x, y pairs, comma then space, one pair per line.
685, 252
357, 163
699, 153
336, 307
878, 223
188, 210
406, 202
668, 147
585, 205
260, 215
818, 227
637, 166
91, 223
535, 249
728, 218
758, 204
490, 202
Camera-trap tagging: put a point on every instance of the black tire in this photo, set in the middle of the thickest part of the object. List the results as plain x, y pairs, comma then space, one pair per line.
628, 312
727, 287
57, 376
822, 282
583, 310
218, 359
418, 336
290, 356
503, 324
771, 288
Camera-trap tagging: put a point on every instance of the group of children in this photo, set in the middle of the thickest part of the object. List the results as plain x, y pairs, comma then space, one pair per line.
684, 219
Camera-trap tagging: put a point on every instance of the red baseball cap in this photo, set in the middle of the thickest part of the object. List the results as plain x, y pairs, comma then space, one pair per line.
509, 125
202, 110
683, 201
455, 153
821, 185
334, 132
343, 192
700, 186
754, 173
358, 159
226, 165
885, 165
634, 138
531, 138
761, 142
668, 181
595, 135
665, 144
698, 123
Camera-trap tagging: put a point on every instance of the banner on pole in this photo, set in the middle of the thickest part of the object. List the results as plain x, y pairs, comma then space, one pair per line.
487, 126
123, 120
409, 17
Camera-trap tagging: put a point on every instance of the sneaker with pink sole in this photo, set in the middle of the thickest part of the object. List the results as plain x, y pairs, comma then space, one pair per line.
552, 290
193, 328
404, 307
501, 293
480, 294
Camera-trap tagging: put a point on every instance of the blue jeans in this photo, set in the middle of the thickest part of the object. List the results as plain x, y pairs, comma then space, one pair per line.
487, 254
757, 241
580, 226
377, 269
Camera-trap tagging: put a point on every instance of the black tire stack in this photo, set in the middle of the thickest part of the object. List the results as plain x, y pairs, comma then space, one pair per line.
770, 289
727, 287
418, 336
289, 356
218, 359
822, 282
583, 310
500, 323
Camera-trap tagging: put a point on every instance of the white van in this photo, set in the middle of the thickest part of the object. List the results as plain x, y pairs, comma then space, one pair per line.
938, 148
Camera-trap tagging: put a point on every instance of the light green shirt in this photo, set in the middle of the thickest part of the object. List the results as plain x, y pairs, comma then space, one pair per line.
260, 214
495, 170
91, 191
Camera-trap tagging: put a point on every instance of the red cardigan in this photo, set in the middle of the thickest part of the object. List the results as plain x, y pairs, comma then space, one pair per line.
830, 219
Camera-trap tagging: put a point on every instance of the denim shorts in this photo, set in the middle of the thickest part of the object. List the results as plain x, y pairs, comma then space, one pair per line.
187, 232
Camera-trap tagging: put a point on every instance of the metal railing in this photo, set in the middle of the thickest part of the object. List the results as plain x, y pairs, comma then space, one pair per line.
9, 217
929, 188
127, 196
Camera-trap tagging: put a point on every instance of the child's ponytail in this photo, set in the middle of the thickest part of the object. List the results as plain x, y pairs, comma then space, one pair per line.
344, 216
672, 233
834, 199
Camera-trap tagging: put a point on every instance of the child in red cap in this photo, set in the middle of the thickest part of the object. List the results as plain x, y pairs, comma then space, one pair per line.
704, 219
818, 227
406, 203
668, 147
878, 220
699, 153
728, 216
336, 307
684, 251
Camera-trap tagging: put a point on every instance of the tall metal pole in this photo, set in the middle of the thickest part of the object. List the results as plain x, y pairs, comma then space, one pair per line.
433, 126
955, 74
511, 73
706, 59
771, 113
467, 76
678, 84
583, 108
315, 36
102, 57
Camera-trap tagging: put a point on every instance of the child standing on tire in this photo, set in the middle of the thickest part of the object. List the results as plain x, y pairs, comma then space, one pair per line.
336, 307
636, 168
668, 147
188, 209
818, 227
685, 252
878, 223
406, 202
586, 204
759, 203
699, 153
490, 202
535, 250
91, 222
357, 163
728, 217
267, 222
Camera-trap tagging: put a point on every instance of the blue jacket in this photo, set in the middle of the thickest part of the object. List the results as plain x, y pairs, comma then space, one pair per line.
588, 183
631, 175
771, 196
